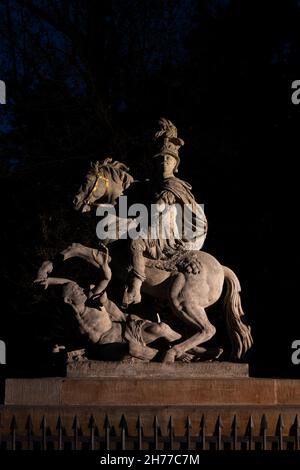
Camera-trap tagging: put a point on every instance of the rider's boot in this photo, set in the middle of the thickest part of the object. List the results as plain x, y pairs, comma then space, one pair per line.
137, 275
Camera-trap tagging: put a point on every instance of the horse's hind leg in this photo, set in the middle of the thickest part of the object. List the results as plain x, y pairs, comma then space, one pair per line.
191, 312
195, 317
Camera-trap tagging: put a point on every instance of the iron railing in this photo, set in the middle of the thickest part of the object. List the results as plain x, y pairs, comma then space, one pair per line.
104, 436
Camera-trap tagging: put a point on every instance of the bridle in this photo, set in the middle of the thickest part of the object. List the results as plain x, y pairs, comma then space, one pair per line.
99, 177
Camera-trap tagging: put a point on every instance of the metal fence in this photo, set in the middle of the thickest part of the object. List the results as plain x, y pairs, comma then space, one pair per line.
104, 436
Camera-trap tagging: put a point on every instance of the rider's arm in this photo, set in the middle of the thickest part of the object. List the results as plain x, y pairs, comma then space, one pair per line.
52, 281
105, 276
42, 276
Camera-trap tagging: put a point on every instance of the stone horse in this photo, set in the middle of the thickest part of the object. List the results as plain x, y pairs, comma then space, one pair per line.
190, 281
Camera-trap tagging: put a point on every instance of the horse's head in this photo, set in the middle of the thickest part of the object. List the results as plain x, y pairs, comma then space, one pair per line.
103, 184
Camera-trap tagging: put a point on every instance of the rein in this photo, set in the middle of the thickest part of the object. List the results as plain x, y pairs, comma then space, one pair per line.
95, 186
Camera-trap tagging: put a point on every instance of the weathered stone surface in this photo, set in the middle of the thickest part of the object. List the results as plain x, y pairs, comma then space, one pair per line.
148, 370
167, 392
110, 391
287, 392
33, 391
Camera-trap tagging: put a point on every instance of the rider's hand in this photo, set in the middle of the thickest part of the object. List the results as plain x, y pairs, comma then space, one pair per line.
45, 269
42, 282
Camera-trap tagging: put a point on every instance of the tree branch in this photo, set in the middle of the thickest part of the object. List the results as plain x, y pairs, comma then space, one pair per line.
58, 22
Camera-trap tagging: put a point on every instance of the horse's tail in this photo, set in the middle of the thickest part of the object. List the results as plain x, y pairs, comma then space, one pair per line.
238, 330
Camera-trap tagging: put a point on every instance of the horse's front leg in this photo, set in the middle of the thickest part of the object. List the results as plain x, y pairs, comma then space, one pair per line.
78, 250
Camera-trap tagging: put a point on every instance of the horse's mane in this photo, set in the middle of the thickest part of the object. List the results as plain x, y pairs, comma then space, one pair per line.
114, 171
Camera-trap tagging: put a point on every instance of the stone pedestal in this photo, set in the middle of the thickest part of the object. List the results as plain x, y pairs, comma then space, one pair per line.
158, 390
148, 370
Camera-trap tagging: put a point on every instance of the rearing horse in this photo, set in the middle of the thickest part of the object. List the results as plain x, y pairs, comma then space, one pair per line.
190, 281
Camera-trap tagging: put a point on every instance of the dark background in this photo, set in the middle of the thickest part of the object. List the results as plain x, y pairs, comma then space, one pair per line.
88, 79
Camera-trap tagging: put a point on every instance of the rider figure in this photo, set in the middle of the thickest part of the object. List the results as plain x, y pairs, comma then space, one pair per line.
170, 192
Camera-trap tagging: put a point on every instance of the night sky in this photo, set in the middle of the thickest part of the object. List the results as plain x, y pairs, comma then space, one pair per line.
89, 79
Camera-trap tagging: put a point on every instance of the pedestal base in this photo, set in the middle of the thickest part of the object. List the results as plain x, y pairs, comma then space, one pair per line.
150, 390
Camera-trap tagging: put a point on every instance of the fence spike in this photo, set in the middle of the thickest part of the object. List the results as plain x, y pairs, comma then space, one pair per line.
296, 423
294, 431
155, 422
29, 424
92, 427
218, 432
280, 424
171, 433
13, 424
29, 429
124, 432
75, 424
156, 428
188, 427
107, 428
249, 432
139, 427
279, 432
92, 422
43, 427
203, 422
263, 431
203, 432
75, 429
234, 424
123, 423
13, 428
263, 423
170, 439
219, 423
43, 423
250, 424
59, 428
139, 424
188, 423
234, 432
170, 423
59, 424
106, 423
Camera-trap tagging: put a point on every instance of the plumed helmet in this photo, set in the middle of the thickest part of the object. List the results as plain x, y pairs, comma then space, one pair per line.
167, 141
